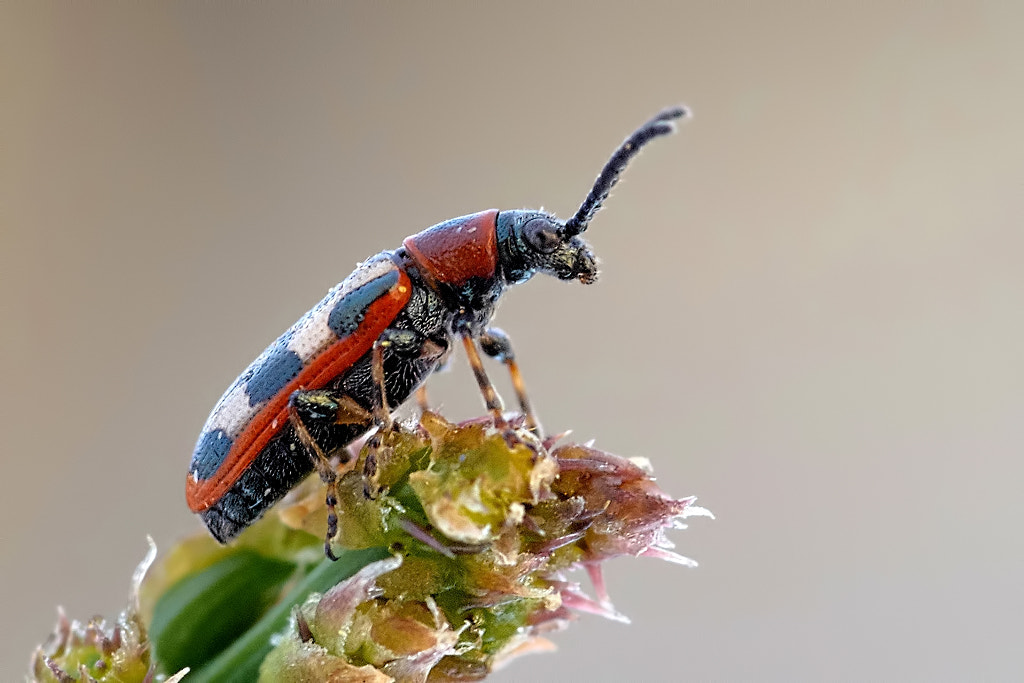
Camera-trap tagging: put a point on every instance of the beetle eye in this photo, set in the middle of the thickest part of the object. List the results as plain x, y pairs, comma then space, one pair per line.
541, 234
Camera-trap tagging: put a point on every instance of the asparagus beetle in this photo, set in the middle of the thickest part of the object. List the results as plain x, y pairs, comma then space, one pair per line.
373, 340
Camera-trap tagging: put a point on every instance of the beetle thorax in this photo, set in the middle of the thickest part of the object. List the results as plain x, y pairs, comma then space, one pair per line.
458, 250
458, 259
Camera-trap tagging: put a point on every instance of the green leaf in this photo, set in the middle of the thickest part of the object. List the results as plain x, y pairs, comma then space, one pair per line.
240, 662
206, 611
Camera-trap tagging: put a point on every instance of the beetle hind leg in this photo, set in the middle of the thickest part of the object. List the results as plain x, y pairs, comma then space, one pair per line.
308, 408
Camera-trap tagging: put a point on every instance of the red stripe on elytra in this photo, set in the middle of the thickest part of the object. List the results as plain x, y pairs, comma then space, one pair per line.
334, 360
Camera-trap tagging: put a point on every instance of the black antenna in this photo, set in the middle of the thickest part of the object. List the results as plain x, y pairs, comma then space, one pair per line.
662, 124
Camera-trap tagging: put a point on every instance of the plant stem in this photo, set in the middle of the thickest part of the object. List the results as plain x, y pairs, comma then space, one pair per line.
241, 661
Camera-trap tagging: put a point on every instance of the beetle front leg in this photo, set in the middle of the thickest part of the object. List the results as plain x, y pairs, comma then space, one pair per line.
490, 394
496, 344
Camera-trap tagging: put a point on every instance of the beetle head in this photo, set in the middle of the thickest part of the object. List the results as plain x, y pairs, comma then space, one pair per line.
534, 241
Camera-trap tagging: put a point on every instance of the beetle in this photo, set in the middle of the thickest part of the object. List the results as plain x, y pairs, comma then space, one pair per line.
373, 340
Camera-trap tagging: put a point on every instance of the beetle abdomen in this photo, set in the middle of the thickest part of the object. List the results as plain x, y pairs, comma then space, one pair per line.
318, 348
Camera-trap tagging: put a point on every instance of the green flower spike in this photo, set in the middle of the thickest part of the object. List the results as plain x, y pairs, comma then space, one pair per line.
483, 533
458, 565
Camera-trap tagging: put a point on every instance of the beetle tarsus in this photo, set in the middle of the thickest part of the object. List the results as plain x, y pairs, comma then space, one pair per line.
332, 519
371, 488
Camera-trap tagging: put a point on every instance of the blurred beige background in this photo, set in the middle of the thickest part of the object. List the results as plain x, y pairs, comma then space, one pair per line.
810, 314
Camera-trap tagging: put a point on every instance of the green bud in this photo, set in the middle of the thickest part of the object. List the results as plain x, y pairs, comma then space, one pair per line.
98, 651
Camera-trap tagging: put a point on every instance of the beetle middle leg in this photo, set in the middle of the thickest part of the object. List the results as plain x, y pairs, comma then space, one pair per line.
381, 416
433, 351
406, 349
308, 410
422, 400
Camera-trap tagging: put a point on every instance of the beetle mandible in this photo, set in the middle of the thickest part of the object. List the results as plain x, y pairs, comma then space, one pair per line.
373, 340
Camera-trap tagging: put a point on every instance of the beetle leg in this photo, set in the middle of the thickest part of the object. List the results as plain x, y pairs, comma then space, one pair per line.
413, 345
320, 406
421, 398
491, 398
381, 415
496, 344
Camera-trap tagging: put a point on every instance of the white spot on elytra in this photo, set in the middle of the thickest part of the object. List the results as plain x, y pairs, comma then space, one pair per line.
232, 412
311, 335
